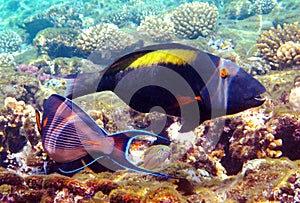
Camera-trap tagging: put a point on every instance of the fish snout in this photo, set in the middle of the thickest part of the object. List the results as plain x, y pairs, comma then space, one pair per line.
244, 92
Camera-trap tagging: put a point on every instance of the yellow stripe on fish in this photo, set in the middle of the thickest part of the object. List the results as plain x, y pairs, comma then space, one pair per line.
173, 56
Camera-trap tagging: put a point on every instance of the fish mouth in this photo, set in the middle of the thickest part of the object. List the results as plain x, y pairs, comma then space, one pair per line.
259, 98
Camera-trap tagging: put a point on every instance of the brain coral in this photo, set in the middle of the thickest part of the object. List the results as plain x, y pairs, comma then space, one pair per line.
281, 46
157, 29
195, 19
103, 37
10, 41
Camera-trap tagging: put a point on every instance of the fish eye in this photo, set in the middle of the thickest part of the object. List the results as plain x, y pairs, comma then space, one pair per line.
224, 73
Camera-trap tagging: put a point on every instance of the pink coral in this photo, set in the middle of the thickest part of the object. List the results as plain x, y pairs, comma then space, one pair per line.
33, 70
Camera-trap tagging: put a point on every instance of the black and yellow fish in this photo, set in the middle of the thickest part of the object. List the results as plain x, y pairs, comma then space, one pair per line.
182, 80
68, 134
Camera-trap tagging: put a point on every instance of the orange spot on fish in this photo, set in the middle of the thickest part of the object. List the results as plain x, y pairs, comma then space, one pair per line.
224, 73
45, 122
198, 98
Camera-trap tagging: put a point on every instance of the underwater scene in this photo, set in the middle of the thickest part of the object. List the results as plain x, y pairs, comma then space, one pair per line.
150, 101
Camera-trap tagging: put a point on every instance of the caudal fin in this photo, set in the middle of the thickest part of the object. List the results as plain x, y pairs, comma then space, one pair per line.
81, 84
120, 154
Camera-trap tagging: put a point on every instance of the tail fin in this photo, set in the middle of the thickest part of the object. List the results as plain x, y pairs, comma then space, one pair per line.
82, 84
121, 151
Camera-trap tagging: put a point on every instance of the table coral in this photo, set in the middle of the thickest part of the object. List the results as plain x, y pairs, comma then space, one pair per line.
158, 29
280, 46
195, 19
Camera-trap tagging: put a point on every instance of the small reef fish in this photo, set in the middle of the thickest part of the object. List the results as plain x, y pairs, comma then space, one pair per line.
184, 81
155, 156
68, 133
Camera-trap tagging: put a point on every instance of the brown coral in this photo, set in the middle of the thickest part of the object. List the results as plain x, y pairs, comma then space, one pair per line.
195, 19
158, 29
289, 53
104, 37
280, 46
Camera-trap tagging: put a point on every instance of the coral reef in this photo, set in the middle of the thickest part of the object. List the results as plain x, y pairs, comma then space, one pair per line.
57, 42
245, 8
263, 6
238, 10
260, 180
33, 70
195, 19
18, 85
10, 41
288, 190
133, 12
65, 66
294, 98
280, 46
106, 39
60, 15
18, 127
157, 29
233, 141
7, 61
271, 172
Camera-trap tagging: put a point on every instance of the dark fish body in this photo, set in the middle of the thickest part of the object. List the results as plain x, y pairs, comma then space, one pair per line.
182, 80
68, 134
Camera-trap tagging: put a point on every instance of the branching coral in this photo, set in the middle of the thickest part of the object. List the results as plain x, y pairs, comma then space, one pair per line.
281, 46
103, 37
105, 42
157, 29
10, 41
195, 19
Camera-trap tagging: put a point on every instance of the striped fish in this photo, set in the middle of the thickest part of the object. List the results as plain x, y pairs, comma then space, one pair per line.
156, 156
68, 133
